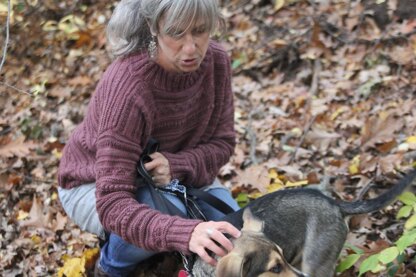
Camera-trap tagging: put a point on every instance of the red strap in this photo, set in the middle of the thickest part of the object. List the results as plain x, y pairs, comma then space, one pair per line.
182, 273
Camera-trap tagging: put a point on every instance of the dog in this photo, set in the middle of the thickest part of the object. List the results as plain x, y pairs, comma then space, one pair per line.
295, 232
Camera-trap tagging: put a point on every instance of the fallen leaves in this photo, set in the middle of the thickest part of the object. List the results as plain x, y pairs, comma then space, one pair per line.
36, 217
380, 129
76, 267
256, 176
361, 113
18, 147
39, 218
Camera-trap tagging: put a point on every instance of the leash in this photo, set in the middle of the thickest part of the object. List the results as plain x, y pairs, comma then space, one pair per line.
186, 194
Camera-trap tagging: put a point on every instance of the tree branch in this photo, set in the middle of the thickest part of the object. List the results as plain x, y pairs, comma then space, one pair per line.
6, 43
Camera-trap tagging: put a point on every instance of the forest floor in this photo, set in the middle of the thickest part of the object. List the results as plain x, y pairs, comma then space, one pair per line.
325, 95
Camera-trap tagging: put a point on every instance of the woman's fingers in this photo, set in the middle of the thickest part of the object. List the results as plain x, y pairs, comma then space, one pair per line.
221, 240
230, 229
209, 236
203, 254
159, 169
149, 166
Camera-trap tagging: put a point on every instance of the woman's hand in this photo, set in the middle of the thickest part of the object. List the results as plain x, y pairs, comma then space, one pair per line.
210, 236
159, 169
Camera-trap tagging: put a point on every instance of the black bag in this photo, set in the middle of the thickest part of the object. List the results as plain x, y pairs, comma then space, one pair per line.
187, 195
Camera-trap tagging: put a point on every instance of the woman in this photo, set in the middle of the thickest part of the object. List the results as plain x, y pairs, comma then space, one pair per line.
169, 82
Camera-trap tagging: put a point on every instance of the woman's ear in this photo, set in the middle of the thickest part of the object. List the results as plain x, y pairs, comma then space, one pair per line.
152, 32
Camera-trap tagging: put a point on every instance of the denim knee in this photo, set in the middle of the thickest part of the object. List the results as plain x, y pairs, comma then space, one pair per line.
119, 258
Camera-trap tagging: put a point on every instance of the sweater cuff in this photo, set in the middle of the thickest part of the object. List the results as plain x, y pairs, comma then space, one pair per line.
180, 233
179, 167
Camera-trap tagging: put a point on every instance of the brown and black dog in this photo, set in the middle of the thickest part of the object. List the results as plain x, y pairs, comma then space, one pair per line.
299, 227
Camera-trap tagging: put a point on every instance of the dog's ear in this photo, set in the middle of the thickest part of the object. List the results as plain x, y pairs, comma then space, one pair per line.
251, 223
230, 265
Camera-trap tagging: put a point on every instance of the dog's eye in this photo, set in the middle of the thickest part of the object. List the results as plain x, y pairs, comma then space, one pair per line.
276, 269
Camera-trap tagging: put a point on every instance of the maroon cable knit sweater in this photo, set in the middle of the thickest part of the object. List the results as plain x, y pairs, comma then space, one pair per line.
190, 114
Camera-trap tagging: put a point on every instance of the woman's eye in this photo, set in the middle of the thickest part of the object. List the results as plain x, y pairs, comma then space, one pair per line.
276, 269
200, 31
176, 35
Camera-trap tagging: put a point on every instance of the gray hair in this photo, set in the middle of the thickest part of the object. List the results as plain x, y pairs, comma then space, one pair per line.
129, 29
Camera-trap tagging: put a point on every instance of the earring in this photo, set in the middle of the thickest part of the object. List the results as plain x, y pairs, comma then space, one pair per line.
152, 48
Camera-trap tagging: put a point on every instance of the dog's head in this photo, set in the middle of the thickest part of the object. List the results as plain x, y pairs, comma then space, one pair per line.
254, 254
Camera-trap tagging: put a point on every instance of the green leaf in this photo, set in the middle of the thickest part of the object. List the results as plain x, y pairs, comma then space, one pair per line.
242, 199
349, 261
410, 223
404, 211
405, 241
70, 24
369, 264
408, 198
354, 248
388, 255
236, 63
393, 270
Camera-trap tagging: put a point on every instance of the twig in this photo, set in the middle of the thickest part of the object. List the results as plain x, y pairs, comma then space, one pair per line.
317, 67
313, 91
302, 139
6, 43
252, 137
365, 189
15, 88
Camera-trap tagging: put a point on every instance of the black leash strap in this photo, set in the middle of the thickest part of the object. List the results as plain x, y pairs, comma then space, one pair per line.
211, 200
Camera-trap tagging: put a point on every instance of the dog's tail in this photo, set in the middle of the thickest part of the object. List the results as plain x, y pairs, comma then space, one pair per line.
371, 205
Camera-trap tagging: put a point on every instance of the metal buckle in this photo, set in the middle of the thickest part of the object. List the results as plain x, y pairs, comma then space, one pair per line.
175, 186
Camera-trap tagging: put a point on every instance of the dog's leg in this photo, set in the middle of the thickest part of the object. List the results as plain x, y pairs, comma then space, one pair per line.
322, 248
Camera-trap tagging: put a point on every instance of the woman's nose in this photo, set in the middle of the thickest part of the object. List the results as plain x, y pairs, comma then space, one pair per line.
189, 45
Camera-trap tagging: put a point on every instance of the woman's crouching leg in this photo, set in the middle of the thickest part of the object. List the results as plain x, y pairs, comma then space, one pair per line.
79, 205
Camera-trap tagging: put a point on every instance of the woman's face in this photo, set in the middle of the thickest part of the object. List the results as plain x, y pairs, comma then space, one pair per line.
183, 52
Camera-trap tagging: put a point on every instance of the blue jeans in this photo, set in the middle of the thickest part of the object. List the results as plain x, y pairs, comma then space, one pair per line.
120, 258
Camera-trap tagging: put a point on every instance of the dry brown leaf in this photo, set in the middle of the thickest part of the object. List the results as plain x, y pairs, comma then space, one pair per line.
60, 222
16, 148
36, 216
38, 172
80, 81
402, 55
380, 129
256, 176
321, 138
4, 183
368, 163
389, 163
291, 171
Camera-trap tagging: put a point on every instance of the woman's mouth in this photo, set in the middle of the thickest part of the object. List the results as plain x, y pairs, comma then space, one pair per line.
190, 62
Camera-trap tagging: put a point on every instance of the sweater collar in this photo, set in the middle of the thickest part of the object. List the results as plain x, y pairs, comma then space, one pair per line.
165, 80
